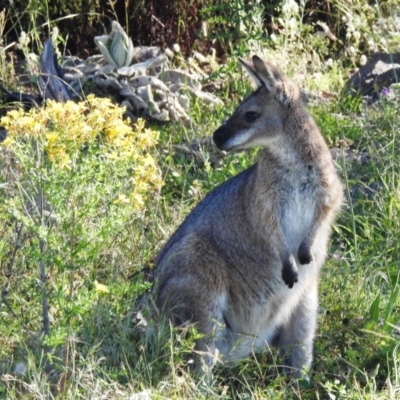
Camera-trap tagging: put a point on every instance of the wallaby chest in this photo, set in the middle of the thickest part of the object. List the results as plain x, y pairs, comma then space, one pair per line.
297, 197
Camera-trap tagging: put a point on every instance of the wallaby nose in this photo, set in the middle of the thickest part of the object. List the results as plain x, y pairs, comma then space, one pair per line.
219, 136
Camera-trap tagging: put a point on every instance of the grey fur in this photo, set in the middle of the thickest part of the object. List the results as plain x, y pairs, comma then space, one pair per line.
244, 264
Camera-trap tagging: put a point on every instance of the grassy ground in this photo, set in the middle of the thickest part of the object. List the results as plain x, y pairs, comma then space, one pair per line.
77, 241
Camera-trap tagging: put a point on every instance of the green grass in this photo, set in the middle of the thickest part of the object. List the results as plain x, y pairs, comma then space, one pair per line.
98, 346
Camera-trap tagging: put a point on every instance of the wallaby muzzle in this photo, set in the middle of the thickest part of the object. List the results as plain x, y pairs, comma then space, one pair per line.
220, 137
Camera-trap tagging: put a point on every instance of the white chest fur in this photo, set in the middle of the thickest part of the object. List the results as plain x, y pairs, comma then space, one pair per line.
297, 209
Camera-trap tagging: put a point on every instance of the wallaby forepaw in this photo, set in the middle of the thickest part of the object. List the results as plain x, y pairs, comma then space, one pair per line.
290, 278
305, 258
289, 273
304, 254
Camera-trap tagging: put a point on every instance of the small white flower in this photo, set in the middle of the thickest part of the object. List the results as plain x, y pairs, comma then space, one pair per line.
54, 34
352, 50
292, 23
199, 57
169, 53
23, 40
290, 8
363, 60
357, 35
176, 48
350, 27
143, 395
371, 44
329, 62
204, 28
382, 23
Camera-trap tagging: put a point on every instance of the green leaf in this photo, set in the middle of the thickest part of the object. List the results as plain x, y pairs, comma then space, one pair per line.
391, 302
374, 310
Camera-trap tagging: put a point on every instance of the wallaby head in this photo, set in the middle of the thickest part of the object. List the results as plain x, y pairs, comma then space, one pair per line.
260, 119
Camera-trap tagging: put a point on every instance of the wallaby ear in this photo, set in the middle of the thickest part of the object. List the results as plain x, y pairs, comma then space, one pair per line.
260, 73
265, 74
249, 67
276, 83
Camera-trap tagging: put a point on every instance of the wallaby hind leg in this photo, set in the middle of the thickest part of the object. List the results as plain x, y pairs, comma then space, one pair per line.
191, 286
296, 336
210, 349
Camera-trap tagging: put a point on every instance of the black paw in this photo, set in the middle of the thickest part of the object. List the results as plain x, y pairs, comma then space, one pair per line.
289, 273
304, 254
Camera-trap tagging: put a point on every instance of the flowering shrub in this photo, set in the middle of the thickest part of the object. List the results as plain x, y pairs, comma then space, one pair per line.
76, 181
68, 132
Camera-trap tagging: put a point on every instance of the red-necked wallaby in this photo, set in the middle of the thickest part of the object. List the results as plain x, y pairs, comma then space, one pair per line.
243, 266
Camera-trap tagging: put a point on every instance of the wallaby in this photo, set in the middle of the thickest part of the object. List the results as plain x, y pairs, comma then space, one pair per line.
244, 265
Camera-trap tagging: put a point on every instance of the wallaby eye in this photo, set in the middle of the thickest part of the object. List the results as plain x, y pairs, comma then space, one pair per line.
251, 116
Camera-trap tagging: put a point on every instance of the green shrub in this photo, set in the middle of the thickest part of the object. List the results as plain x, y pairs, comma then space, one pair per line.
76, 177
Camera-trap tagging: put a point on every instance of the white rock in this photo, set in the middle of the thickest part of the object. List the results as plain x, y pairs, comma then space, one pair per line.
143, 92
127, 104
127, 91
20, 369
162, 116
160, 95
108, 81
172, 76
137, 102
148, 80
208, 98
106, 69
205, 97
153, 107
184, 101
142, 68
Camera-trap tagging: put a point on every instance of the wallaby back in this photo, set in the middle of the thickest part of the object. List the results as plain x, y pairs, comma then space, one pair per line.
244, 264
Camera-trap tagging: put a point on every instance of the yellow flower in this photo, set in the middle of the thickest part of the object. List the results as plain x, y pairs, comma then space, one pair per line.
8, 141
69, 132
100, 288
51, 137
137, 201
121, 199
